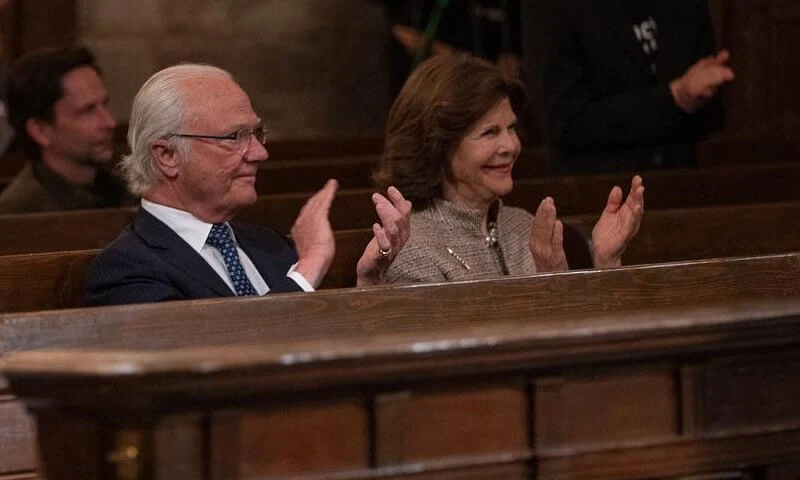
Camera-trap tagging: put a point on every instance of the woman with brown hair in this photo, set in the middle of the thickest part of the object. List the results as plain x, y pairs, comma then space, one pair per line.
451, 143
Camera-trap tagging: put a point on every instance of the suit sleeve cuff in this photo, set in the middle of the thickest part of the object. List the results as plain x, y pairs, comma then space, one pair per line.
299, 279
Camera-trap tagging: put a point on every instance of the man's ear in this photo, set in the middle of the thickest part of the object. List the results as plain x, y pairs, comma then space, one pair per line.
41, 131
167, 159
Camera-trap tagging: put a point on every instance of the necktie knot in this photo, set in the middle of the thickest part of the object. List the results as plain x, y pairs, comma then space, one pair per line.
220, 238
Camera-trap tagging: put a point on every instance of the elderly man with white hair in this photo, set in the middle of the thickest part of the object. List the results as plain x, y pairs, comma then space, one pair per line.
196, 145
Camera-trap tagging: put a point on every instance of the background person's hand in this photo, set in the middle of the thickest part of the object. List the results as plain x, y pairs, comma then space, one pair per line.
412, 40
701, 82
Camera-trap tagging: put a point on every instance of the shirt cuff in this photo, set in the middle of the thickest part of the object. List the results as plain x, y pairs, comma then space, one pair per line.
299, 279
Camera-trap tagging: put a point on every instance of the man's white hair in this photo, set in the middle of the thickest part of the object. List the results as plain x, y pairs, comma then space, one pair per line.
158, 110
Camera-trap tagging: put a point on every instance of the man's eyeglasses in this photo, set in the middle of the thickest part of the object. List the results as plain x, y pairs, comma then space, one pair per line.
239, 139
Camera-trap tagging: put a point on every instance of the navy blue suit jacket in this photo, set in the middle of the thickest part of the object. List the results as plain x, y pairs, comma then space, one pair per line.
149, 262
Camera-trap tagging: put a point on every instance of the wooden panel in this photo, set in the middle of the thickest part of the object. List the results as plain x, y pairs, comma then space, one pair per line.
226, 448
224, 444
322, 147
467, 468
714, 232
422, 425
750, 392
350, 246
786, 70
746, 31
785, 471
7, 31
310, 175
677, 459
601, 411
36, 29
734, 475
181, 437
61, 275
67, 444
76, 230
519, 471
763, 36
63, 231
306, 438
16, 438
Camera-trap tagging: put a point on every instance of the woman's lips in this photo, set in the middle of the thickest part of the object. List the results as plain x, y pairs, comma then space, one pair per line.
504, 168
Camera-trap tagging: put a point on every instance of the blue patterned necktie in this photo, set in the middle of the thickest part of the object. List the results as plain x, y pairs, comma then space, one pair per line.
220, 238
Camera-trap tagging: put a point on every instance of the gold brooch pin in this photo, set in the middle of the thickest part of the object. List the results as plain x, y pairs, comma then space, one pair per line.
457, 257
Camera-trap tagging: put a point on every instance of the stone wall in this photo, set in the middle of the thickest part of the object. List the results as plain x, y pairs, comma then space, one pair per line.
311, 67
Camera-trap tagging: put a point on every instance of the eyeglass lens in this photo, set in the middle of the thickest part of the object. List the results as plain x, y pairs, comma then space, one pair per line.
259, 132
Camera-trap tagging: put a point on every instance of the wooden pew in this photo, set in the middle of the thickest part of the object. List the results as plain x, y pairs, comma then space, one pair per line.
308, 175
302, 165
646, 372
338, 155
55, 280
578, 194
325, 146
294, 170
693, 233
353, 209
300, 174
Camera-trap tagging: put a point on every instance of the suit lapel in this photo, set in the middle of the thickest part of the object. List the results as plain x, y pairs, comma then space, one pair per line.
619, 20
265, 264
175, 251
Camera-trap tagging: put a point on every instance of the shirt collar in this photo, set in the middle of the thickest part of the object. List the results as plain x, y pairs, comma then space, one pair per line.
190, 228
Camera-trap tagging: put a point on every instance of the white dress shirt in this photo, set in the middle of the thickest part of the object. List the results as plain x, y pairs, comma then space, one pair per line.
195, 232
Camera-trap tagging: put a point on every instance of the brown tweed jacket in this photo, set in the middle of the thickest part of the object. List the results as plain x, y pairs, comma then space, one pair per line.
447, 243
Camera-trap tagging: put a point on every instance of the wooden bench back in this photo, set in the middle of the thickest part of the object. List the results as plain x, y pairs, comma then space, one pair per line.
308, 175
665, 235
353, 209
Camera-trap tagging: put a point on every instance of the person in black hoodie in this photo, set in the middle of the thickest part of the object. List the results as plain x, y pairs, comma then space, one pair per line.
624, 84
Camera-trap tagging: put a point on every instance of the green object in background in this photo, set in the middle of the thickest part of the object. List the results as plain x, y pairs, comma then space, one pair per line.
430, 33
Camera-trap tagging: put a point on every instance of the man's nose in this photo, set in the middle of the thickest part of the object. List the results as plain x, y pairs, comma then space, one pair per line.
256, 151
107, 118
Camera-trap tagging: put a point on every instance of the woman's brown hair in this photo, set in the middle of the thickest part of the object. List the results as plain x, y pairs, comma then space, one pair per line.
435, 108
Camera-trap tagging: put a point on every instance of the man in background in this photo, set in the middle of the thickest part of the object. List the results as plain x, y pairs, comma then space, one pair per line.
624, 84
58, 105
